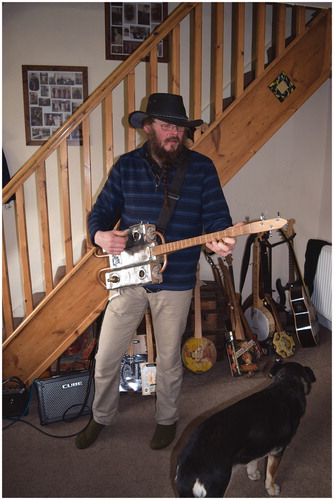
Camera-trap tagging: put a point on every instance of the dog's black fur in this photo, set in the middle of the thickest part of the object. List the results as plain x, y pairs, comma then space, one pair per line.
260, 425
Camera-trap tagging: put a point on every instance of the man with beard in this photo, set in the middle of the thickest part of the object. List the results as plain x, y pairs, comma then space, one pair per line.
135, 191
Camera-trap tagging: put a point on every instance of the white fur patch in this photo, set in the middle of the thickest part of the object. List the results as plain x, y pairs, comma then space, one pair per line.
198, 490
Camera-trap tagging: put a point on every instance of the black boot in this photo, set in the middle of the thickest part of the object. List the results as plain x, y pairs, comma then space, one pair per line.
163, 436
89, 435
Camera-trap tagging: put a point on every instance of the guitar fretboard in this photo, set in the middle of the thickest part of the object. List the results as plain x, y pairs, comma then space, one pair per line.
233, 232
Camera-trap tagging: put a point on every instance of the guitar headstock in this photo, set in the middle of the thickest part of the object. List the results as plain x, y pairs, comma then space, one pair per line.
229, 260
208, 258
267, 225
288, 229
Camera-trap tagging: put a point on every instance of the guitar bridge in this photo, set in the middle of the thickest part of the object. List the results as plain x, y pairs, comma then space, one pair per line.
135, 275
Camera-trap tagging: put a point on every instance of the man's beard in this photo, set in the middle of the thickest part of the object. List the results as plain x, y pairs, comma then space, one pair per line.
166, 158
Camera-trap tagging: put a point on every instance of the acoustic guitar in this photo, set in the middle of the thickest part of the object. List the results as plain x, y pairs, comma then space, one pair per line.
258, 316
199, 354
305, 317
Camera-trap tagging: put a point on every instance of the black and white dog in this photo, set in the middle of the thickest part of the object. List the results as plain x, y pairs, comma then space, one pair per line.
260, 425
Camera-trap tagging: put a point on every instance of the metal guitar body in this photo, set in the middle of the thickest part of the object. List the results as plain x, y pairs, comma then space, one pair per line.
136, 265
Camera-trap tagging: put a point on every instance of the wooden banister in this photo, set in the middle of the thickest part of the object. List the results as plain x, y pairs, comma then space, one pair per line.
66, 208
175, 62
300, 19
196, 101
108, 124
87, 165
131, 132
280, 28
7, 301
153, 71
239, 40
23, 246
45, 229
260, 33
218, 59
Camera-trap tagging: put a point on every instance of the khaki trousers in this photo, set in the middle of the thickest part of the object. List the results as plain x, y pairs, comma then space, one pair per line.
169, 310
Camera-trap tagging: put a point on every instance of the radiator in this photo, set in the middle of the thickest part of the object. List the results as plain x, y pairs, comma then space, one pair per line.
322, 292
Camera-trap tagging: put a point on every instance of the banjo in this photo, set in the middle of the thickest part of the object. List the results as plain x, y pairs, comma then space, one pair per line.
199, 354
144, 259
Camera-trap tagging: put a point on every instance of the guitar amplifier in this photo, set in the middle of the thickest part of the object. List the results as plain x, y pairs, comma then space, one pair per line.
15, 398
61, 397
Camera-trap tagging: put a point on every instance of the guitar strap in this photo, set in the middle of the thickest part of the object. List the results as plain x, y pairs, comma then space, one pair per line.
245, 260
173, 193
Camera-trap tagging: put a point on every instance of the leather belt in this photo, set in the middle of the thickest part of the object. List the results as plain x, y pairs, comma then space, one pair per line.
151, 290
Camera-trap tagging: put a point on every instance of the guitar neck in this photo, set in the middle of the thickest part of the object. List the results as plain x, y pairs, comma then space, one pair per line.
291, 265
299, 274
232, 232
197, 309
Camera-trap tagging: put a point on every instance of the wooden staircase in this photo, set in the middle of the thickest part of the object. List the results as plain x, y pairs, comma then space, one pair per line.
257, 114
232, 137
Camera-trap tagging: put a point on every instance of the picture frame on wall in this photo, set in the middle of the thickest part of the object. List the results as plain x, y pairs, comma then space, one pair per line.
51, 94
128, 24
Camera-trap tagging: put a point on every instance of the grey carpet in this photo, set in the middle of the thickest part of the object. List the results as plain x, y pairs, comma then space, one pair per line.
121, 464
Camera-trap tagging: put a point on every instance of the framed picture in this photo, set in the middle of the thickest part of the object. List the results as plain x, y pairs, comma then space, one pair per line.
51, 94
128, 24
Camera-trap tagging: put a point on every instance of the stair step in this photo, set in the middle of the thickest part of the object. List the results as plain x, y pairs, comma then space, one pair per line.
37, 298
60, 273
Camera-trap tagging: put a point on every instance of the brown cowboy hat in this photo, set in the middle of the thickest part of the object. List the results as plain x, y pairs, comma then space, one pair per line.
166, 107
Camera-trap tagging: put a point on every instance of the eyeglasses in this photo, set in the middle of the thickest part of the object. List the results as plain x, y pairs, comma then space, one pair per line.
167, 127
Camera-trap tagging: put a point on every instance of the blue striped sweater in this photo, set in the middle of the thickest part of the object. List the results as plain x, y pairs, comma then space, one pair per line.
130, 195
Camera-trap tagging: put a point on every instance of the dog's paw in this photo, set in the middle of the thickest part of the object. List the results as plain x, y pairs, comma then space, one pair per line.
252, 471
274, 490
254, 476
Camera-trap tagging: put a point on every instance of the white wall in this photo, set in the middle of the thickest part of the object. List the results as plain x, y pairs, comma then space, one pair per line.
290, 174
